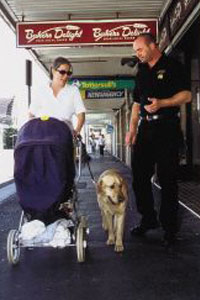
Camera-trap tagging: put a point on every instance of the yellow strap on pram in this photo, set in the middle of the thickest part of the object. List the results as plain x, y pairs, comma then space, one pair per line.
44, 118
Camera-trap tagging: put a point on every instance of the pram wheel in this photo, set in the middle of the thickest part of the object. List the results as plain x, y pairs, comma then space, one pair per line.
13, 249
81, 242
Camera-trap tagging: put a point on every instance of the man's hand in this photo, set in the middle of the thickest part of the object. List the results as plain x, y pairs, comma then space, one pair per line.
130, 138
131, 134
176, 100
154, 106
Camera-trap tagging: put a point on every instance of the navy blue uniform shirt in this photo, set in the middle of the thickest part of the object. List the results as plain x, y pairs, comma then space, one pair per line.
166, 78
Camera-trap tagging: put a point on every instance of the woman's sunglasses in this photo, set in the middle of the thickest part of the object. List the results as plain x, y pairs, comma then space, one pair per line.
63, 72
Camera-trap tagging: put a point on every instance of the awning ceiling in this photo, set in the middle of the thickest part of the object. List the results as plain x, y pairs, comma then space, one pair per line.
37, 10
94, 60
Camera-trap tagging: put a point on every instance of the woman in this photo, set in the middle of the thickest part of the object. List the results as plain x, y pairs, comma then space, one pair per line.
44, 165
59, 99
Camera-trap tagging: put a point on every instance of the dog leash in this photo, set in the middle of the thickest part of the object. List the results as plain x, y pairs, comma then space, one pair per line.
91, 174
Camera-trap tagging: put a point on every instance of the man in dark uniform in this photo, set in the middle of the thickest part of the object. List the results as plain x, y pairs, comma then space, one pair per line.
161, 88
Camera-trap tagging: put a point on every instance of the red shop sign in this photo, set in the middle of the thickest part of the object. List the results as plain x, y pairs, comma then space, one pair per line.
69, 33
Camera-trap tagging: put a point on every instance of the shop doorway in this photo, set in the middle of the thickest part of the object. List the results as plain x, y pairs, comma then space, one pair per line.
190, 47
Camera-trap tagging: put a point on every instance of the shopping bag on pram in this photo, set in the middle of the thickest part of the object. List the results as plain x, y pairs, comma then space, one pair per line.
44, 169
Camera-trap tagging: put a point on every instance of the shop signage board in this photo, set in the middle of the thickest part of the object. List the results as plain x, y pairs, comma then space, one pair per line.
103, 84
109, 128
102, 87
80, 33
164, 39
178, 12
104, 94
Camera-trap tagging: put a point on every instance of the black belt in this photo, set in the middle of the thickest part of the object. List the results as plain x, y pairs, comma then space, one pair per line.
159, 117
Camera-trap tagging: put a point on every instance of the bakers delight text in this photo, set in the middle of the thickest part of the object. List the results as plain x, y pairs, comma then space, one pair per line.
53, 33
121, 32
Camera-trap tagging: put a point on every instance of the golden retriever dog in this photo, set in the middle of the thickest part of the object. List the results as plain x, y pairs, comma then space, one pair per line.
112, 197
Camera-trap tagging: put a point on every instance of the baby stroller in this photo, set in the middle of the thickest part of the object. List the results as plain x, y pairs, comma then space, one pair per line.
45, 181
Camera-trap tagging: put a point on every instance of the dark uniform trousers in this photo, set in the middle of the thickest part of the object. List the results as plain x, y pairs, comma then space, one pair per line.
157, 144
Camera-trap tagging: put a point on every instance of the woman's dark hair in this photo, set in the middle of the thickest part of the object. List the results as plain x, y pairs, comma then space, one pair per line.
60, 61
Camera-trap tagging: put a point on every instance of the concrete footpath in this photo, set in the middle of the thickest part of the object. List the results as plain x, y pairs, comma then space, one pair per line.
6, 166
145, 271
7, 187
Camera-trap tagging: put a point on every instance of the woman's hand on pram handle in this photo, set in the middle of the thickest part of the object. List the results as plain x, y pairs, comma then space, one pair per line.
77, 135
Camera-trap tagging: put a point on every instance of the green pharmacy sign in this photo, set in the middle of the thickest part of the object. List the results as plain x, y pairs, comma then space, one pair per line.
104, 84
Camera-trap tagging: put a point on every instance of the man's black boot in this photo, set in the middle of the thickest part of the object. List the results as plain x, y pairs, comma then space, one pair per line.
143, 228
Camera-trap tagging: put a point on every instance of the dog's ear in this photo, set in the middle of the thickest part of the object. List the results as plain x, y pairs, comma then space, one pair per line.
99, 186
124, 189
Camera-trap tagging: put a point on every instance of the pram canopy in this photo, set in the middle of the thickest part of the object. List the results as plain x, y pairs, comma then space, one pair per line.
44, 164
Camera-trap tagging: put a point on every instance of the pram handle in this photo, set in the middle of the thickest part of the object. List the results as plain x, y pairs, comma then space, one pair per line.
79, 137
78, 145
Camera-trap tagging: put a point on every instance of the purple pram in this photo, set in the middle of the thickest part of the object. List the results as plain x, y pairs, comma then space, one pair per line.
44, 167
46, 188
